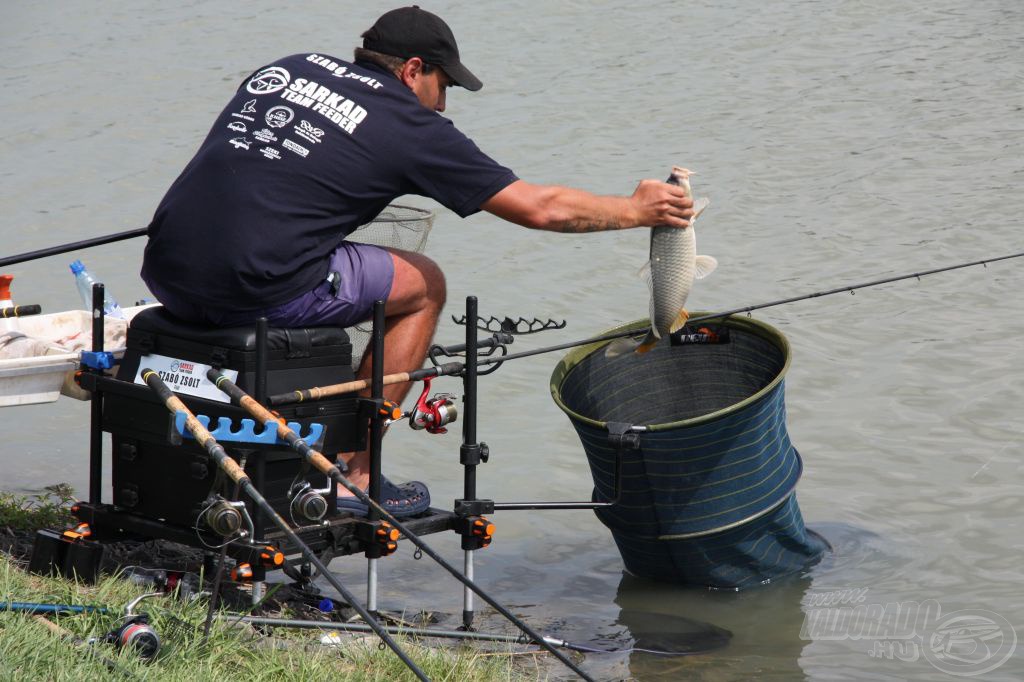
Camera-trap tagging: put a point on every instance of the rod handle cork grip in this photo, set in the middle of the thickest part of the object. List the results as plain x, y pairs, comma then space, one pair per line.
321, 392
253, 407
247, 402
202, 436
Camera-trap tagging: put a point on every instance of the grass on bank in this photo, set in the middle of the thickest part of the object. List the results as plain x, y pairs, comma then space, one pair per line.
31, 651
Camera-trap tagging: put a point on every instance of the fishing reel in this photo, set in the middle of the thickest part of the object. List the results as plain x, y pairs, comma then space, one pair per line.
226, 518
308, 503
435, 413
135, 632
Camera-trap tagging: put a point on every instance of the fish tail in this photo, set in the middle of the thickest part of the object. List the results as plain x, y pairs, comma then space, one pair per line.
620, 347
680, 321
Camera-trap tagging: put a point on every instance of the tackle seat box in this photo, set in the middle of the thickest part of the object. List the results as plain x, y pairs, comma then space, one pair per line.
157, 479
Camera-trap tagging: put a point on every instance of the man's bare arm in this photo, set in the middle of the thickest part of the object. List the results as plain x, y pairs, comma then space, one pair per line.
563, 209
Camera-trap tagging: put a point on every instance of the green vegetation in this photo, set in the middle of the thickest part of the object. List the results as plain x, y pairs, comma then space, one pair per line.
29, 650
48, 509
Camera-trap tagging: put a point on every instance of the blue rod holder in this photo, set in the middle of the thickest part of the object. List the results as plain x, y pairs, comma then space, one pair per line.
226, 432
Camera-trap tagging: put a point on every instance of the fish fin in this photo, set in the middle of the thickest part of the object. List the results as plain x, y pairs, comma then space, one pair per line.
651, 315
705, 265
620, 347
644, 273
680, 321
698, 207
647, 345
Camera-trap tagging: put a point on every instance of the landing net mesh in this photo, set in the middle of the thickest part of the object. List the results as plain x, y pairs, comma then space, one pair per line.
398, 227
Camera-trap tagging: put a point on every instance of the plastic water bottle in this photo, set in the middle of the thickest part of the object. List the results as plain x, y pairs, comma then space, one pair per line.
84, 280
147, 577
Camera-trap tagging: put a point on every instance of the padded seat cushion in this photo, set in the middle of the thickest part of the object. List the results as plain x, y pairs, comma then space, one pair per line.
158, 321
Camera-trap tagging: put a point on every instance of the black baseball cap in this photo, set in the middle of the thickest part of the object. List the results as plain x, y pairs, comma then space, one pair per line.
409, 32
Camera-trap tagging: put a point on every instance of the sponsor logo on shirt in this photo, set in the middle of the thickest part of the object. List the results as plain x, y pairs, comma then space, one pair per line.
240, 142
268, 81
308, 131
279, 116
297, 148
270, 153
248, 108
237, 126
336, 108
265, 135
339, 71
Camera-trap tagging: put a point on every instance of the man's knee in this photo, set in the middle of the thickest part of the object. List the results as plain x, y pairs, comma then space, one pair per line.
418, 281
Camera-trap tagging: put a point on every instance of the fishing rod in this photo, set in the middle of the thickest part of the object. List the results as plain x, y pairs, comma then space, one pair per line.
236, 474
320, 392
324, 466
750, 308
73, 246
454, 368
36, 608
683, 649
77, 642
134, 634
20, 310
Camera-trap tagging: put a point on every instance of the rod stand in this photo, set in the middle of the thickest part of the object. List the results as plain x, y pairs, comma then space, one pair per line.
473, 507
474, 454
476, 531
378, 537
96, 408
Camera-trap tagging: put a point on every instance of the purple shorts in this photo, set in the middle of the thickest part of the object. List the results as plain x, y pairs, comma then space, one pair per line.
365, 273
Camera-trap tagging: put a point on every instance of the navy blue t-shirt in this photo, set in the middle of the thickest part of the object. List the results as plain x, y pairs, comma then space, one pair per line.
309, 148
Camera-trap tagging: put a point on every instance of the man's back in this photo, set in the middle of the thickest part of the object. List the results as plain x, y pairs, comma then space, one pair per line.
309, 148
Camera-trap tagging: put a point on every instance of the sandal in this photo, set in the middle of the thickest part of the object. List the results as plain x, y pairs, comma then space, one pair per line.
406, 499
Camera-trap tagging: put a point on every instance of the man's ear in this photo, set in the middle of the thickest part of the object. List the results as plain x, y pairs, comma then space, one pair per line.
411, 70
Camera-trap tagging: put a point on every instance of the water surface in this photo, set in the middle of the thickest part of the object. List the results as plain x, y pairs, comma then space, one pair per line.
839, 142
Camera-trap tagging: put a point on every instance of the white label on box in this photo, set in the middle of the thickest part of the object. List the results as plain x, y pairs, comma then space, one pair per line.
185, 377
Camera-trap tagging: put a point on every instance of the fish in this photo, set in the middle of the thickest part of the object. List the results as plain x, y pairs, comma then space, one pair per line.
670, 272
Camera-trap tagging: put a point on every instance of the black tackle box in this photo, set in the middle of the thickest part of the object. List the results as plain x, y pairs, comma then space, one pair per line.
160, 480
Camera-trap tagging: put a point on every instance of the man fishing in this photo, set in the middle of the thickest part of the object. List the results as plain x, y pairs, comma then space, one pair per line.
311, 147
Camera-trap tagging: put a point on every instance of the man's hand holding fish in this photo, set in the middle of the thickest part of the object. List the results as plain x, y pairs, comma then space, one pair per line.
663, 204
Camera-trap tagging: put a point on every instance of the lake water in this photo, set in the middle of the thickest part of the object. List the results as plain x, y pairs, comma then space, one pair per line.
839, 142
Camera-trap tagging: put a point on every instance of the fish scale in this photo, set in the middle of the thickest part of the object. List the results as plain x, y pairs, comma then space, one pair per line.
673, 256
670, 272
